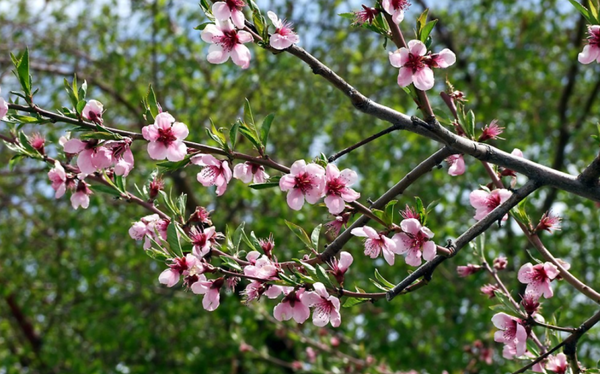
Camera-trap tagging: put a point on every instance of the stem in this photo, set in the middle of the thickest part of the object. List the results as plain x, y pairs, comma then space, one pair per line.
361, 143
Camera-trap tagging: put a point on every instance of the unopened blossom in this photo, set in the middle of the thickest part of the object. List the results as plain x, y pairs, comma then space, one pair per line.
204, 240
180, 266
530, 302
336, 225
395, 8
92, 156
337, 188
311, 354
60, 180
512, 333
210, 289
491, 131
489, 290
214, 173
122, 157
465, 271
457, 165
414, 241
484, 202
37, 141
226, 42
267, 245
223, 10
367, 15
284, 36
249, 171
410, 212
3, 107
340, 267
325, 308
415, 64
377, 243
303, 182
166, 138
558, 363
93, 111
81, 196
292, 306
549, 222
591, 52
149, 227
155, 186
538, 278
500, 263
509, 172
201, 215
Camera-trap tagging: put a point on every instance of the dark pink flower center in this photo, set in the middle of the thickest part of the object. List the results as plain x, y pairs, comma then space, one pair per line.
235, 4
285, 29
335, 186
166, 136
400, 4
539, 274
493, 200
210, 172
228, 41
594, 37
255, 168
366, 15
180, 265
418, 240
304, 182
415, 62
324, 308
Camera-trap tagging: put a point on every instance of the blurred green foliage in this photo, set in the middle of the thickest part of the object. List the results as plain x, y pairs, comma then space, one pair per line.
78, 295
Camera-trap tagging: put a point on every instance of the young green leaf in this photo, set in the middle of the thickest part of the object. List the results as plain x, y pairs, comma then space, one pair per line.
265, 128
300, 233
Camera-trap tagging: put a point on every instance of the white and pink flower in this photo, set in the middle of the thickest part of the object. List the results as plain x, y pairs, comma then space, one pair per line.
484, 202
304, 181
149, 227
337, 188
558, 364
512, 333
340, 267
215, 172
93, 111
414, 241
226, 42
377, 243
415, 64
92, 156
60, 180
122, 157
326, 308
249, 171
457, 165
292, 306
261, 267
204, 240
81, 196
284, 36
210, 289
591, 52
180, 266
538, 278
166, 138
223, 10
395, 8
3, 107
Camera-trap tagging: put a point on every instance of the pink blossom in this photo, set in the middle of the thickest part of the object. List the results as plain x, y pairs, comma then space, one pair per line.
488, 289
512, 333
263, 268
149, 227
415, 65
311, 355
530, 302
549, 222
326, 308
122, 156
60, 180
500, 263
457, 165
284, 36
465, 271
367, 15
215, 172
267, 245
340, 267
81, 197
204, 240
491, 131
223, 10
415, 242
558, 363
180, 266
410, 212
210, 290
377, 243
336, 225
226, 41
395, 8
304, 181
292, 306
249, 171
337, 190
37, 141
3, 107
591, 52
166, 138
93, 111
538, 278
484, 202
92, 155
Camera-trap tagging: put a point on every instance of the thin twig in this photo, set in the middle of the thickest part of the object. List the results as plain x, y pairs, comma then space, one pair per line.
361, 143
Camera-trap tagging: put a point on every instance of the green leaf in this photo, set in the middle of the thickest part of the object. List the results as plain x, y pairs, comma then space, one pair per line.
309, 268
593, 11
230, 263
323, 277
250, 134
426, 30
352, 301
248, 117
82, 92
203, 25
173, 238
106, 189
263, 186
389, 211
507, 304
265, 128
14, 160
22, 73
100, 135
80, 105
181, 203
314, 236
26, 144
120, 182
237, 236
379, 285
382, 280
300, 233
151, 102
233, 133
165, 166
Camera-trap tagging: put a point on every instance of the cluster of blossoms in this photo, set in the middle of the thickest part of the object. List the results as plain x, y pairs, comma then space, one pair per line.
414, 241
312, 182
228, 35
149, 228
63, 181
